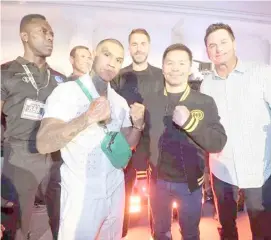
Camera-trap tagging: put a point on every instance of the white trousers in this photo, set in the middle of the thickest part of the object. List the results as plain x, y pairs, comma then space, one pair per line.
83, 218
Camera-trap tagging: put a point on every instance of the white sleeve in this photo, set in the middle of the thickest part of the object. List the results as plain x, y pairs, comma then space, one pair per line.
203, 88
267, 85
59, 104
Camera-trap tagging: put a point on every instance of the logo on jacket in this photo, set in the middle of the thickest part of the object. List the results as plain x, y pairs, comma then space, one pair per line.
25, 79
198, 114
23, 76
59, 79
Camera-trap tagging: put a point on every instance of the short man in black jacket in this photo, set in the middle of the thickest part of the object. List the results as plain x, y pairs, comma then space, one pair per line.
184, 126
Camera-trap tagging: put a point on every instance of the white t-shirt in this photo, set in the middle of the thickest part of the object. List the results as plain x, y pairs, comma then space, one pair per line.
85, 165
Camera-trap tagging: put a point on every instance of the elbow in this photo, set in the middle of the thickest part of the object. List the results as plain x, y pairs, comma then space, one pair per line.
133, 146
41, 147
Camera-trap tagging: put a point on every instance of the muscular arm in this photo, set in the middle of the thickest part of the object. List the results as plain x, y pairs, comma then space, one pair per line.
132, 136
54, 134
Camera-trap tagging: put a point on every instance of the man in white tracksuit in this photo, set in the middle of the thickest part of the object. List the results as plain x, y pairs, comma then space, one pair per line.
92, 189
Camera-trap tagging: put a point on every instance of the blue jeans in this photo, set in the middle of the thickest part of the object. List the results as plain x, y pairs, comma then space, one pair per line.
162, 194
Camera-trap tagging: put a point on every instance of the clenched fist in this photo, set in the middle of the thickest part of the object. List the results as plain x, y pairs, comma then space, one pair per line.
99, 110
137, 113
180, 115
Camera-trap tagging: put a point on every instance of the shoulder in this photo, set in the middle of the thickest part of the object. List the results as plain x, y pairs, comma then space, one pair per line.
7, 65
155, 70
59, 77
208, 77
207, 82
201, 97
122, 74
203, 105
125, 70
261, 69
65, 90
247, 65
195, 84
10, 67
9, 70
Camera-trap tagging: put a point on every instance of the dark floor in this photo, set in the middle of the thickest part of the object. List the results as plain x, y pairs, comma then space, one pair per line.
139, 229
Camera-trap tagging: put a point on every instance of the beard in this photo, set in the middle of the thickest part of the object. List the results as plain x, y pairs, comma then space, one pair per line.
141, 60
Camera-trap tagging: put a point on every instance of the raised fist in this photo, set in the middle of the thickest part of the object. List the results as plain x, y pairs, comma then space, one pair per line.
180, 115
99, 110
137, 113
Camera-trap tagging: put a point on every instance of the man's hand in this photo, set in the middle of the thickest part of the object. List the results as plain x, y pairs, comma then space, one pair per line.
1, 231
99, 110
137, 112
180, 115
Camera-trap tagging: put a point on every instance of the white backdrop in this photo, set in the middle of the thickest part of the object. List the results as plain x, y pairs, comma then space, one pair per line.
74, 25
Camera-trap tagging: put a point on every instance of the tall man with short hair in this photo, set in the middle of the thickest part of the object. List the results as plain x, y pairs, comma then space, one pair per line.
134, 83
242, 91
25, 85
78, 116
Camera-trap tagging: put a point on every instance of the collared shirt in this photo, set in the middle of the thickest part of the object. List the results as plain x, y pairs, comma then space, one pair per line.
15, 88
244, 102
85, 164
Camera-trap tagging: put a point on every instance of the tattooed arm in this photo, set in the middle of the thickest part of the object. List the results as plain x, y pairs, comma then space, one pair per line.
54, 134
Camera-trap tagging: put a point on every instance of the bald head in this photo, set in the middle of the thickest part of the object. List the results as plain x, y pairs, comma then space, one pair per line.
107, 40
109, 58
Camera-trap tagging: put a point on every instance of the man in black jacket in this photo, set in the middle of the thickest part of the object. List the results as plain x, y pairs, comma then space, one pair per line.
184, 126
135, 83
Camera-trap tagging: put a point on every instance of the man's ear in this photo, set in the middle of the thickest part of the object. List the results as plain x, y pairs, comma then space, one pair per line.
71, 60
24, 37
234, 45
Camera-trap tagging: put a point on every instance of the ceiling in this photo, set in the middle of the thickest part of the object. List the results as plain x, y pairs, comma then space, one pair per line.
237, 10
253, 7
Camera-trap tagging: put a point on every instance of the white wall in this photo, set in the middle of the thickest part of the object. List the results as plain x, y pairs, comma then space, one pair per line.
252, 40
87, 25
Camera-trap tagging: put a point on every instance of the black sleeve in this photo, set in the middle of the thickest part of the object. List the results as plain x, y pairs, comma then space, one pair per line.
4, 91
66, 79
208, 132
